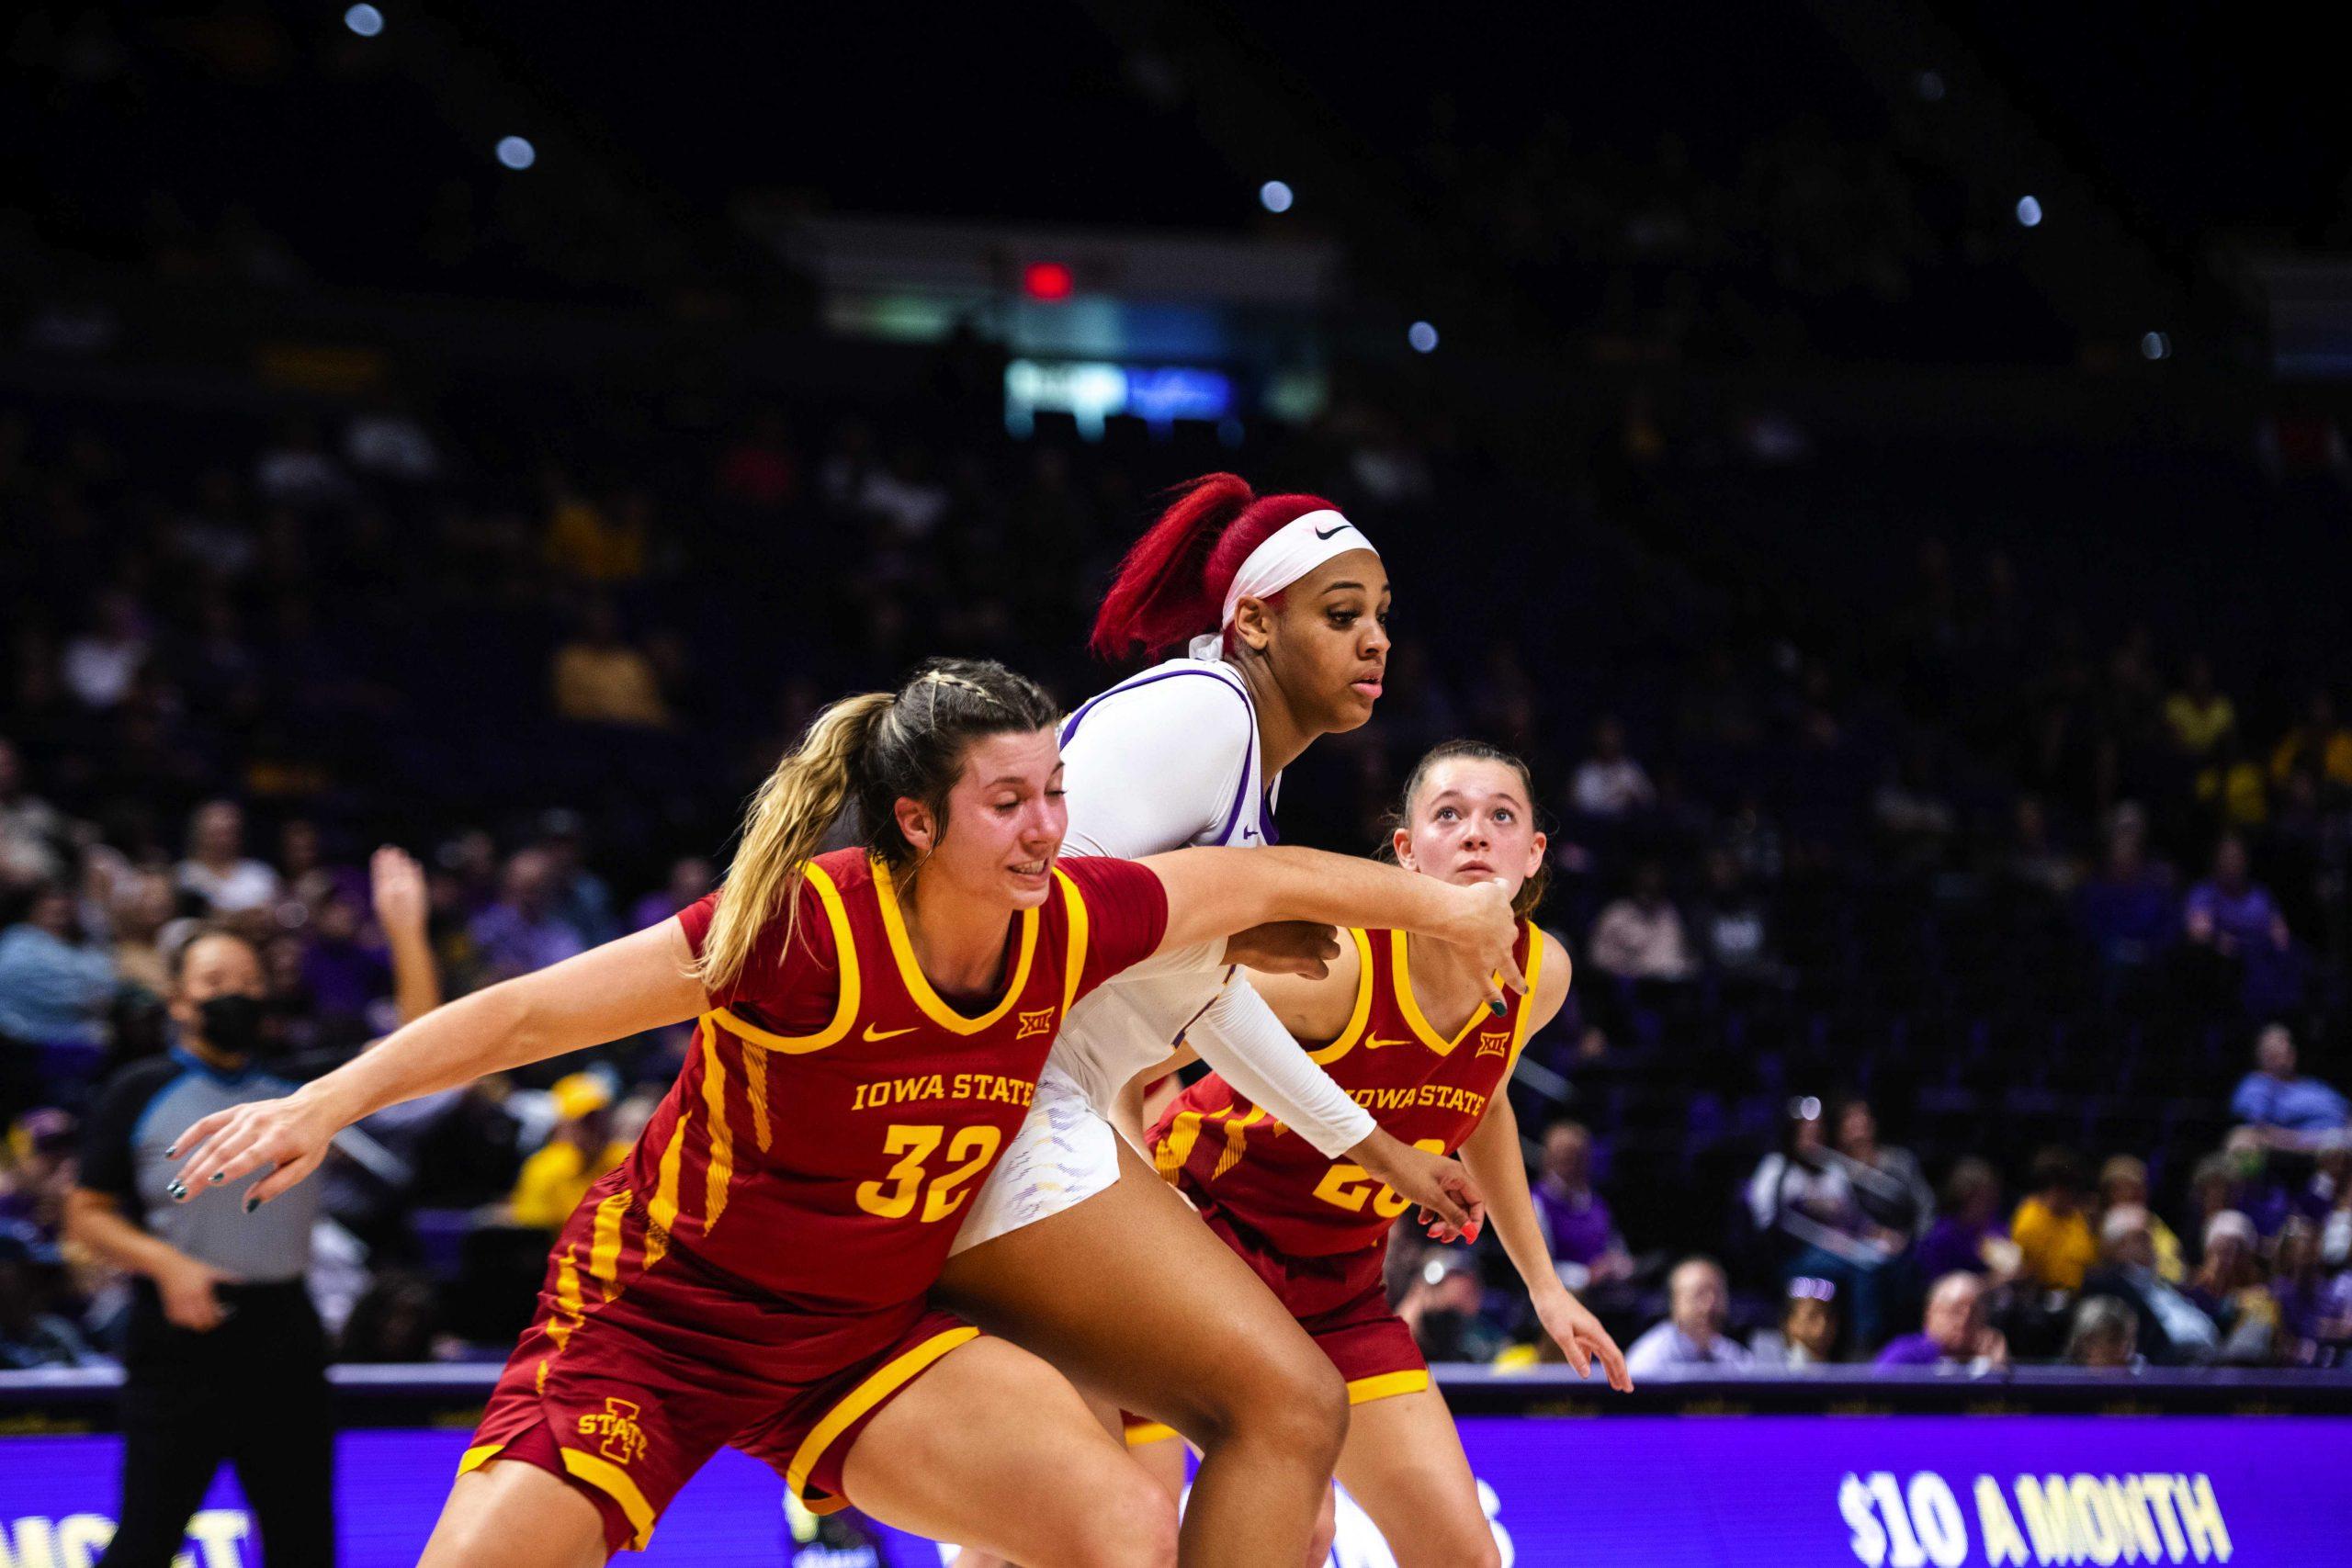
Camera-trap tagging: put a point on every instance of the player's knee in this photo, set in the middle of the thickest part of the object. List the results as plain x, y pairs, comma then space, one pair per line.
1299, 1407
1131, 1524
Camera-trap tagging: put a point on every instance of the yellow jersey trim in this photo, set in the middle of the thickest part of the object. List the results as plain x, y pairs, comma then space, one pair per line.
1388, 1385
720, 1169
845, 954
661, 1215
474, 1457
1356, 1019
569, 1312
918, 984
1535, 972
1149, 1433
1074, 907
1175, 1149
1410, 1006
605, 1243
613, 1482
891, 1377
1237, 1139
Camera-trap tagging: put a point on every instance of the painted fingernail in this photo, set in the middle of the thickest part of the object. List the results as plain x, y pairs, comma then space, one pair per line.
1495, 1007
175, 1188
171, 1152
250, 1204
219, 1176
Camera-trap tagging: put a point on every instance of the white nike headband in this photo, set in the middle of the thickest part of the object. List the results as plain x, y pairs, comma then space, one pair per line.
1289, 553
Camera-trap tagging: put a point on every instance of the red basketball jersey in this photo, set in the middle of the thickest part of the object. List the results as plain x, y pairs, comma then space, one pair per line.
1422, 1087
835, 1114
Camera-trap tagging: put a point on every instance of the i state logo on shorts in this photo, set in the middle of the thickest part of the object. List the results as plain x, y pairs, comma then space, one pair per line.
624, 1439
1041, 1022
1494, 1042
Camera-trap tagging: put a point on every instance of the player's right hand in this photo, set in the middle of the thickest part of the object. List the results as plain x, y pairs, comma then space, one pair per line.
286, 1137
1437, 1183
187, 1289
1485, 924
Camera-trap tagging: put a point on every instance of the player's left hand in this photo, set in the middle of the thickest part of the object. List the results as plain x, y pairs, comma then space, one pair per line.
1581, 1338
1285, 947
288, 1137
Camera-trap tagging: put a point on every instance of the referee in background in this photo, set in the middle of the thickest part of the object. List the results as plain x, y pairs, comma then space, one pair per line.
224, 1357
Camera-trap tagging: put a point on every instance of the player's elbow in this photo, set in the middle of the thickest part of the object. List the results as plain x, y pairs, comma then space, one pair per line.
522, 1016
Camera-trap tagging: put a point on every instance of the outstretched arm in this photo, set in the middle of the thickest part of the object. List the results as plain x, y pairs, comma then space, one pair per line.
1492, 1152
1493, 1155
640, 982
1214, 893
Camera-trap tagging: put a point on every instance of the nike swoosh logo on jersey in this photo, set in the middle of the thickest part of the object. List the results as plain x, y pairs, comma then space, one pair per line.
1375, 1043
1326, 533
874, 1034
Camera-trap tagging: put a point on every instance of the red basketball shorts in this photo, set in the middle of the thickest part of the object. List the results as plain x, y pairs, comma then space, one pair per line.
1341, 1303
624, 1384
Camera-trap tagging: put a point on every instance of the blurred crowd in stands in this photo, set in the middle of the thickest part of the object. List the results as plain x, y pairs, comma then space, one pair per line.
1894, 1035
1950, 947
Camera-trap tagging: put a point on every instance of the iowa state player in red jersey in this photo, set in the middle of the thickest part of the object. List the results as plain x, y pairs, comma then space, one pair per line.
1403, 1025
870, 1028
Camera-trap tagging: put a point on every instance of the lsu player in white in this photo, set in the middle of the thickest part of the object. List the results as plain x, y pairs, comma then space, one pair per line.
1073, 1249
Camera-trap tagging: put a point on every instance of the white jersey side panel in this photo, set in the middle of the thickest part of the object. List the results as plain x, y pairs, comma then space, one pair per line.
1164, 759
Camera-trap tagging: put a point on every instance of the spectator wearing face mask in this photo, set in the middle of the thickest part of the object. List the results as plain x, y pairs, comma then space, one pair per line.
1698, 1307
224, 1358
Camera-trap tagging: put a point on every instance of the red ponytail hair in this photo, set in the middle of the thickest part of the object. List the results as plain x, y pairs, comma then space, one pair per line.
1171, 585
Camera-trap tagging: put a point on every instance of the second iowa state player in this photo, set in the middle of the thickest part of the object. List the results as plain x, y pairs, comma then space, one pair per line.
1403, 1025
869, 1029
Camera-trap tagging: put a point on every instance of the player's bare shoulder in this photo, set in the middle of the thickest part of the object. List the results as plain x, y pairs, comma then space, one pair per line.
1551, 981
